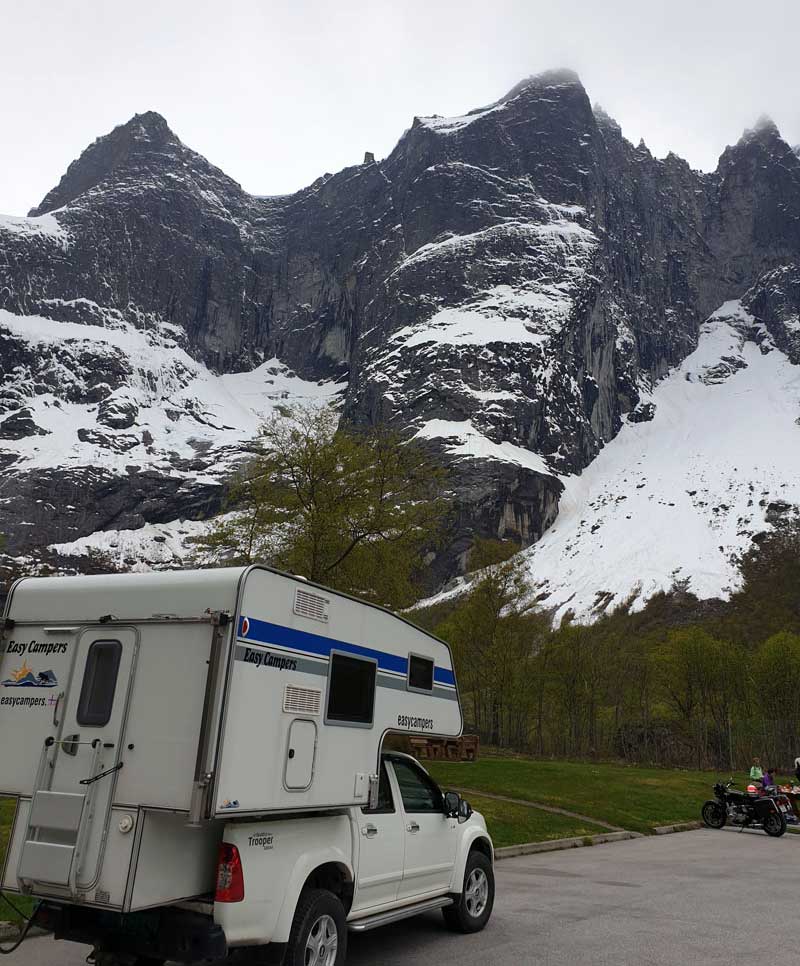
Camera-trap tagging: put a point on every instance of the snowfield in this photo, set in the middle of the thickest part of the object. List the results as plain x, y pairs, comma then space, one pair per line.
680, 497
182, 408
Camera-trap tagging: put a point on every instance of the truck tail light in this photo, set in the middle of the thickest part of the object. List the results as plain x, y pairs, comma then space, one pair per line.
230, 877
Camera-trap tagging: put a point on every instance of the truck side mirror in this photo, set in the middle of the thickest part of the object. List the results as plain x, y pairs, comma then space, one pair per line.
464, 810
452, 804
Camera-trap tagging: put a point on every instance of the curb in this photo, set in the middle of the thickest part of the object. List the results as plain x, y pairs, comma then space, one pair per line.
680, 827
557, 845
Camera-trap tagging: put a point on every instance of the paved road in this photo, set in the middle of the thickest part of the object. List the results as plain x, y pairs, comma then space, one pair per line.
692, 898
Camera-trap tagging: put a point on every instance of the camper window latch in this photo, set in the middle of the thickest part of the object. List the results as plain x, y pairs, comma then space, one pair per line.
96, 778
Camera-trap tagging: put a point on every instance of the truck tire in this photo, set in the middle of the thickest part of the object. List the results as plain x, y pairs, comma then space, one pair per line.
473, 906
319, 931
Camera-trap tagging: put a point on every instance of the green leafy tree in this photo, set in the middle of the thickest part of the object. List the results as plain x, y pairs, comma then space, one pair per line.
700, 679
776, 691
356, 510
494, 630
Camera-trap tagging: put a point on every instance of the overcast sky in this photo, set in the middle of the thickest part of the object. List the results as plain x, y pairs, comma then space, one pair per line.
276, 92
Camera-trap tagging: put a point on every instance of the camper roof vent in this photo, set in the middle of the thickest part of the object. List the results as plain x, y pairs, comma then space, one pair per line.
310, 605
302, 700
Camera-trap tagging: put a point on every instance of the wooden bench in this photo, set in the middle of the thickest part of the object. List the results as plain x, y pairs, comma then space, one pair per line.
465, 748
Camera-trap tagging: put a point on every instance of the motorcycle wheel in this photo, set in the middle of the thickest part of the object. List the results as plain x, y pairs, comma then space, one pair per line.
775, 824
714, 815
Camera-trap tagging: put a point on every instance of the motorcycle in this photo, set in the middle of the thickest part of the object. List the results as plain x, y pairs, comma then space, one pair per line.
744, 810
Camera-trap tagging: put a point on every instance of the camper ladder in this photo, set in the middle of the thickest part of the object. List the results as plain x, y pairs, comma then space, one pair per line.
58, 824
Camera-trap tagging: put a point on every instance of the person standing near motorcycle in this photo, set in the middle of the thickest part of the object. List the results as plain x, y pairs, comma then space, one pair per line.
767, 781
797, 770
756, 774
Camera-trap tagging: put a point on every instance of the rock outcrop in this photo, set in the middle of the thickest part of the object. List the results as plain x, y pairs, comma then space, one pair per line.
505, 284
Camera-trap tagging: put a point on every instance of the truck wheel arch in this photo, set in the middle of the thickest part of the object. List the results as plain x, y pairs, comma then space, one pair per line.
329, 870
478, 841
482, 844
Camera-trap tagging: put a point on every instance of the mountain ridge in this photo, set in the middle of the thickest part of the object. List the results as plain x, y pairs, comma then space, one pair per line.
508, 285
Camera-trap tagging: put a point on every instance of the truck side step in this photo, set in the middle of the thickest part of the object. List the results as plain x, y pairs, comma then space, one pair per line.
395, 915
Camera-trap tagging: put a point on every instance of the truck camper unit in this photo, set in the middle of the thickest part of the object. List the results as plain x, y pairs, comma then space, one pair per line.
141, 712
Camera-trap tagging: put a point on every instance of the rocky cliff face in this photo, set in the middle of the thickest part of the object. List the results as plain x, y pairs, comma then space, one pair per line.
509, 285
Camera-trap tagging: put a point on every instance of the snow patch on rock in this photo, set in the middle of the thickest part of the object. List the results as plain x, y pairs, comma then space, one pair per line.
44, 226
153, 546
464, 441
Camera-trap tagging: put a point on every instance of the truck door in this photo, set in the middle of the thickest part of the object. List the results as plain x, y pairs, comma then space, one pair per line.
381, 841
74, 787
430, 837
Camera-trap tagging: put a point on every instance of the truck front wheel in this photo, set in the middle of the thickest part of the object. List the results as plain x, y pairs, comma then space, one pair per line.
472, 908
319, 931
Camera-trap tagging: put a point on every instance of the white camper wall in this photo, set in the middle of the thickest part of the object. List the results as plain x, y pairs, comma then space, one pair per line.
165, 715
168, 684
281, 675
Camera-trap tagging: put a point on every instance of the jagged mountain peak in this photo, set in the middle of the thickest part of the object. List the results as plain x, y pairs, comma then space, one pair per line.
759, 145
556, 77
142, 134
145, 143
764, 125
764, 132
148, 126
604, 119
529, 88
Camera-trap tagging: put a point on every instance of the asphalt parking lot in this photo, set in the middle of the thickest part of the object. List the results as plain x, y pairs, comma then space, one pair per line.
694, 898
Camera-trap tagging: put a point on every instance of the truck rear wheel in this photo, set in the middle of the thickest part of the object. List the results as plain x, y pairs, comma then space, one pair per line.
319, 931
473, 907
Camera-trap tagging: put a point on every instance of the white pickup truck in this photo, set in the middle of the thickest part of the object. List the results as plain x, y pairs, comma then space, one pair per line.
292, 888
300, 884
199, 768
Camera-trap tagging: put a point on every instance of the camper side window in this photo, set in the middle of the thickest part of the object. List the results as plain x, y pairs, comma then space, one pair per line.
351, 690
420, 673
99, 684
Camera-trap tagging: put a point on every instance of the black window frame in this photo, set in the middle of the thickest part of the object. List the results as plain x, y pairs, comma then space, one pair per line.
415, 687
87, 715
425, 779
349, 721
382, 809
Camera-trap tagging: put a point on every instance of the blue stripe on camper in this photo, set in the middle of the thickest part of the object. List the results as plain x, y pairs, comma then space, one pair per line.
265, 633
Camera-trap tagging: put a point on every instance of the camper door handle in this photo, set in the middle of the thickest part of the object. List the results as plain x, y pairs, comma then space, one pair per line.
108, 771
57, 708
412, 827
370, 831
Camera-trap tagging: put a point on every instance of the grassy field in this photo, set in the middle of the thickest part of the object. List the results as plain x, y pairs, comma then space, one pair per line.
513, 824
633, 798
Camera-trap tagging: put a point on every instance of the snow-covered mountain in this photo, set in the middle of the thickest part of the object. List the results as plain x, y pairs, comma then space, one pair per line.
680, 497
520, 286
